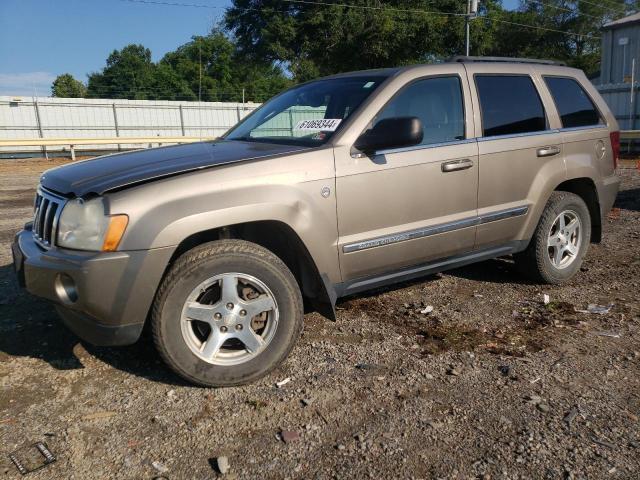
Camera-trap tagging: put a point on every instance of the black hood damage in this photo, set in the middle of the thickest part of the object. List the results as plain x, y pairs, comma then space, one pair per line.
101, 174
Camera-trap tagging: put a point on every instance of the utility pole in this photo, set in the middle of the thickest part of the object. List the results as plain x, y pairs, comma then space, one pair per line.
472, 11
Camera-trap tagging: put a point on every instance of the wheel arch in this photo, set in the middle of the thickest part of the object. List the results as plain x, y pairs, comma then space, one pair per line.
586, 189
279, 238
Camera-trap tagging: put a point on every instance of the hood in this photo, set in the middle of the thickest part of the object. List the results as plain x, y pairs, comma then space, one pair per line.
101, 174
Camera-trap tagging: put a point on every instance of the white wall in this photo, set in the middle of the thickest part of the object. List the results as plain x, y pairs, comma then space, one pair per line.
86, 118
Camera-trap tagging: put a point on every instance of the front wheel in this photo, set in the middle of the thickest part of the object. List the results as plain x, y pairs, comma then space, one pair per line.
560, 241
227, 313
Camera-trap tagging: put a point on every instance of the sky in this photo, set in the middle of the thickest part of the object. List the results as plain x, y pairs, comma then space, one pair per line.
41, 39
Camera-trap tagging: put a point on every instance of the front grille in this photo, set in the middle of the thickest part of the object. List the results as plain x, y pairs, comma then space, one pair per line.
47, 209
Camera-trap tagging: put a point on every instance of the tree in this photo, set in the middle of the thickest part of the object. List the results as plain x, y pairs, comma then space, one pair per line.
323, 39
209, 67
215, 70
128, 74
320, 39
65, 86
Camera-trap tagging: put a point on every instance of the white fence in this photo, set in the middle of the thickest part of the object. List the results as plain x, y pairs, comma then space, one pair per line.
44, 117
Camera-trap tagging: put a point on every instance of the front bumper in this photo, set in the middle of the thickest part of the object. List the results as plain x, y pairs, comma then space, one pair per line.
104, 298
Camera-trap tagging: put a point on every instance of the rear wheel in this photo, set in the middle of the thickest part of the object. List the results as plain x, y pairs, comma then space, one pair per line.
560, 241
227, 313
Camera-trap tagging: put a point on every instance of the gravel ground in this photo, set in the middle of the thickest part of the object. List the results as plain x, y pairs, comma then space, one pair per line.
491, 384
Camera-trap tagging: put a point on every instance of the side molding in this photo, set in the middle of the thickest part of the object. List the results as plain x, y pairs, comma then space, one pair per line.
435, 229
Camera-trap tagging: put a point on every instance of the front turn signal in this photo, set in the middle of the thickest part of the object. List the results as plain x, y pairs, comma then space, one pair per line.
115, 231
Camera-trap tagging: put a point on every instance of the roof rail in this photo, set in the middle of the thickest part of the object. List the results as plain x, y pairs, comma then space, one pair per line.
462, 59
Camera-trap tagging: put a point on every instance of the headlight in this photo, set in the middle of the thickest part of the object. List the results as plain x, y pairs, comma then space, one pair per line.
83, 225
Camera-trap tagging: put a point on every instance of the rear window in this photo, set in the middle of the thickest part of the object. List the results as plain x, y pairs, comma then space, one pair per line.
574, 105
510, 105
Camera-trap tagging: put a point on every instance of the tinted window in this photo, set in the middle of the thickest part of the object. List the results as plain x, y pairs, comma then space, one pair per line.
574, 105
509, 105
437, 102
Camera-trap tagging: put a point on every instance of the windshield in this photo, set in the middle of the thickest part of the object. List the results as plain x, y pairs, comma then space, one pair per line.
306, 115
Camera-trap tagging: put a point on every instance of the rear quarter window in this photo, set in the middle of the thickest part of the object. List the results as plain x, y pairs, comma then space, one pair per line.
510, 105
575, 107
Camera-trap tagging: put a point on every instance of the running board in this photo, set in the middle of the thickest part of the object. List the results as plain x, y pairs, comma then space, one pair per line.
409, 273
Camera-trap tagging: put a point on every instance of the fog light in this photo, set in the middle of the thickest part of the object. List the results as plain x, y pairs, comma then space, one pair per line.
66, 288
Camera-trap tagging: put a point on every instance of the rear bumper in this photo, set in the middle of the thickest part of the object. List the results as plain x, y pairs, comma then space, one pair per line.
102, 297
607, 194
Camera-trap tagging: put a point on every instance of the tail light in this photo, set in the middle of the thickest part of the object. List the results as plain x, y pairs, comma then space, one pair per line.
615, 147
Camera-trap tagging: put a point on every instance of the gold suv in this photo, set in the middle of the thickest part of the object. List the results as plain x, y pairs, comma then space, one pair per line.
333, 187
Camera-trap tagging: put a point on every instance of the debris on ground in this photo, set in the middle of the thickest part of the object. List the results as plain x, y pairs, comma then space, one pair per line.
571, 415
99, 415
606, 333
289, 436
159, 466
222, 465
428, 309
597, 309
546, 299
32, 457
603, 443
256, 404
282, 383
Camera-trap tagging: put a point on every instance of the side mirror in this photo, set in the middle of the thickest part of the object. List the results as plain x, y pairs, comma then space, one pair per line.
393, 132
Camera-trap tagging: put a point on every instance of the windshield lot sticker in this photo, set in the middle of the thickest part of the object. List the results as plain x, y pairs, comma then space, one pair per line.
326, 124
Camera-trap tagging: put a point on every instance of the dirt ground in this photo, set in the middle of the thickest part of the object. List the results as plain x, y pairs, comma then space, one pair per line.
492, 384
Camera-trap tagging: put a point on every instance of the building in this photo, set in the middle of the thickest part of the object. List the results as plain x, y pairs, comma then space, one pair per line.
620, 46
619, 67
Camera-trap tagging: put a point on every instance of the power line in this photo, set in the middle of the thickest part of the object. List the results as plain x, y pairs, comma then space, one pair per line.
607, 5
367, 7
445, 13
174, 4
558, 7
386, 9
526, 25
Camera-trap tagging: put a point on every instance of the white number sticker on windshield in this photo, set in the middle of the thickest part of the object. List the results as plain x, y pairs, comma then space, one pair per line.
326, 124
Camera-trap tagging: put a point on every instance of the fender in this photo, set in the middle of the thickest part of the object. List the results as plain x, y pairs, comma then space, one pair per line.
287, 190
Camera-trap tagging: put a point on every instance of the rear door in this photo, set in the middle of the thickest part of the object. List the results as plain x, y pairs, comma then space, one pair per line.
585, 134
518, 140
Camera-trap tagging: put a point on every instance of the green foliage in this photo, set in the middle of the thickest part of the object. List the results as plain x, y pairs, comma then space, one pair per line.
215, 71
267, 45
322, 39
208, 67
65, 86
131, 74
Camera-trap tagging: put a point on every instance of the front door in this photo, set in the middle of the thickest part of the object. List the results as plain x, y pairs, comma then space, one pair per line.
406, 206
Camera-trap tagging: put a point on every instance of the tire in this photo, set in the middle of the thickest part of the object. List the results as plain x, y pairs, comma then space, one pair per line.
539, 261
203, 339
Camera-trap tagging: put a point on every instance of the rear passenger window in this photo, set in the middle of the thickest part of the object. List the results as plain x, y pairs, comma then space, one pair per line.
510, 104
574, 105
437, 102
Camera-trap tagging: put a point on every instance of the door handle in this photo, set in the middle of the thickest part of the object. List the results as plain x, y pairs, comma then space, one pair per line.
454, 165
549, 151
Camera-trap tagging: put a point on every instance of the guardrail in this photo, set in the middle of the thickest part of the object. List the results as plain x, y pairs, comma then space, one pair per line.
629, 134
73, 142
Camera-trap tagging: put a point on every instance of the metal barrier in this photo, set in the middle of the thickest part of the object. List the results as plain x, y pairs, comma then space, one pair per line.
73, 142
629, 134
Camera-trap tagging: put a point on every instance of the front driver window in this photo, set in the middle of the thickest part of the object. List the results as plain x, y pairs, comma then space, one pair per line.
437, 102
